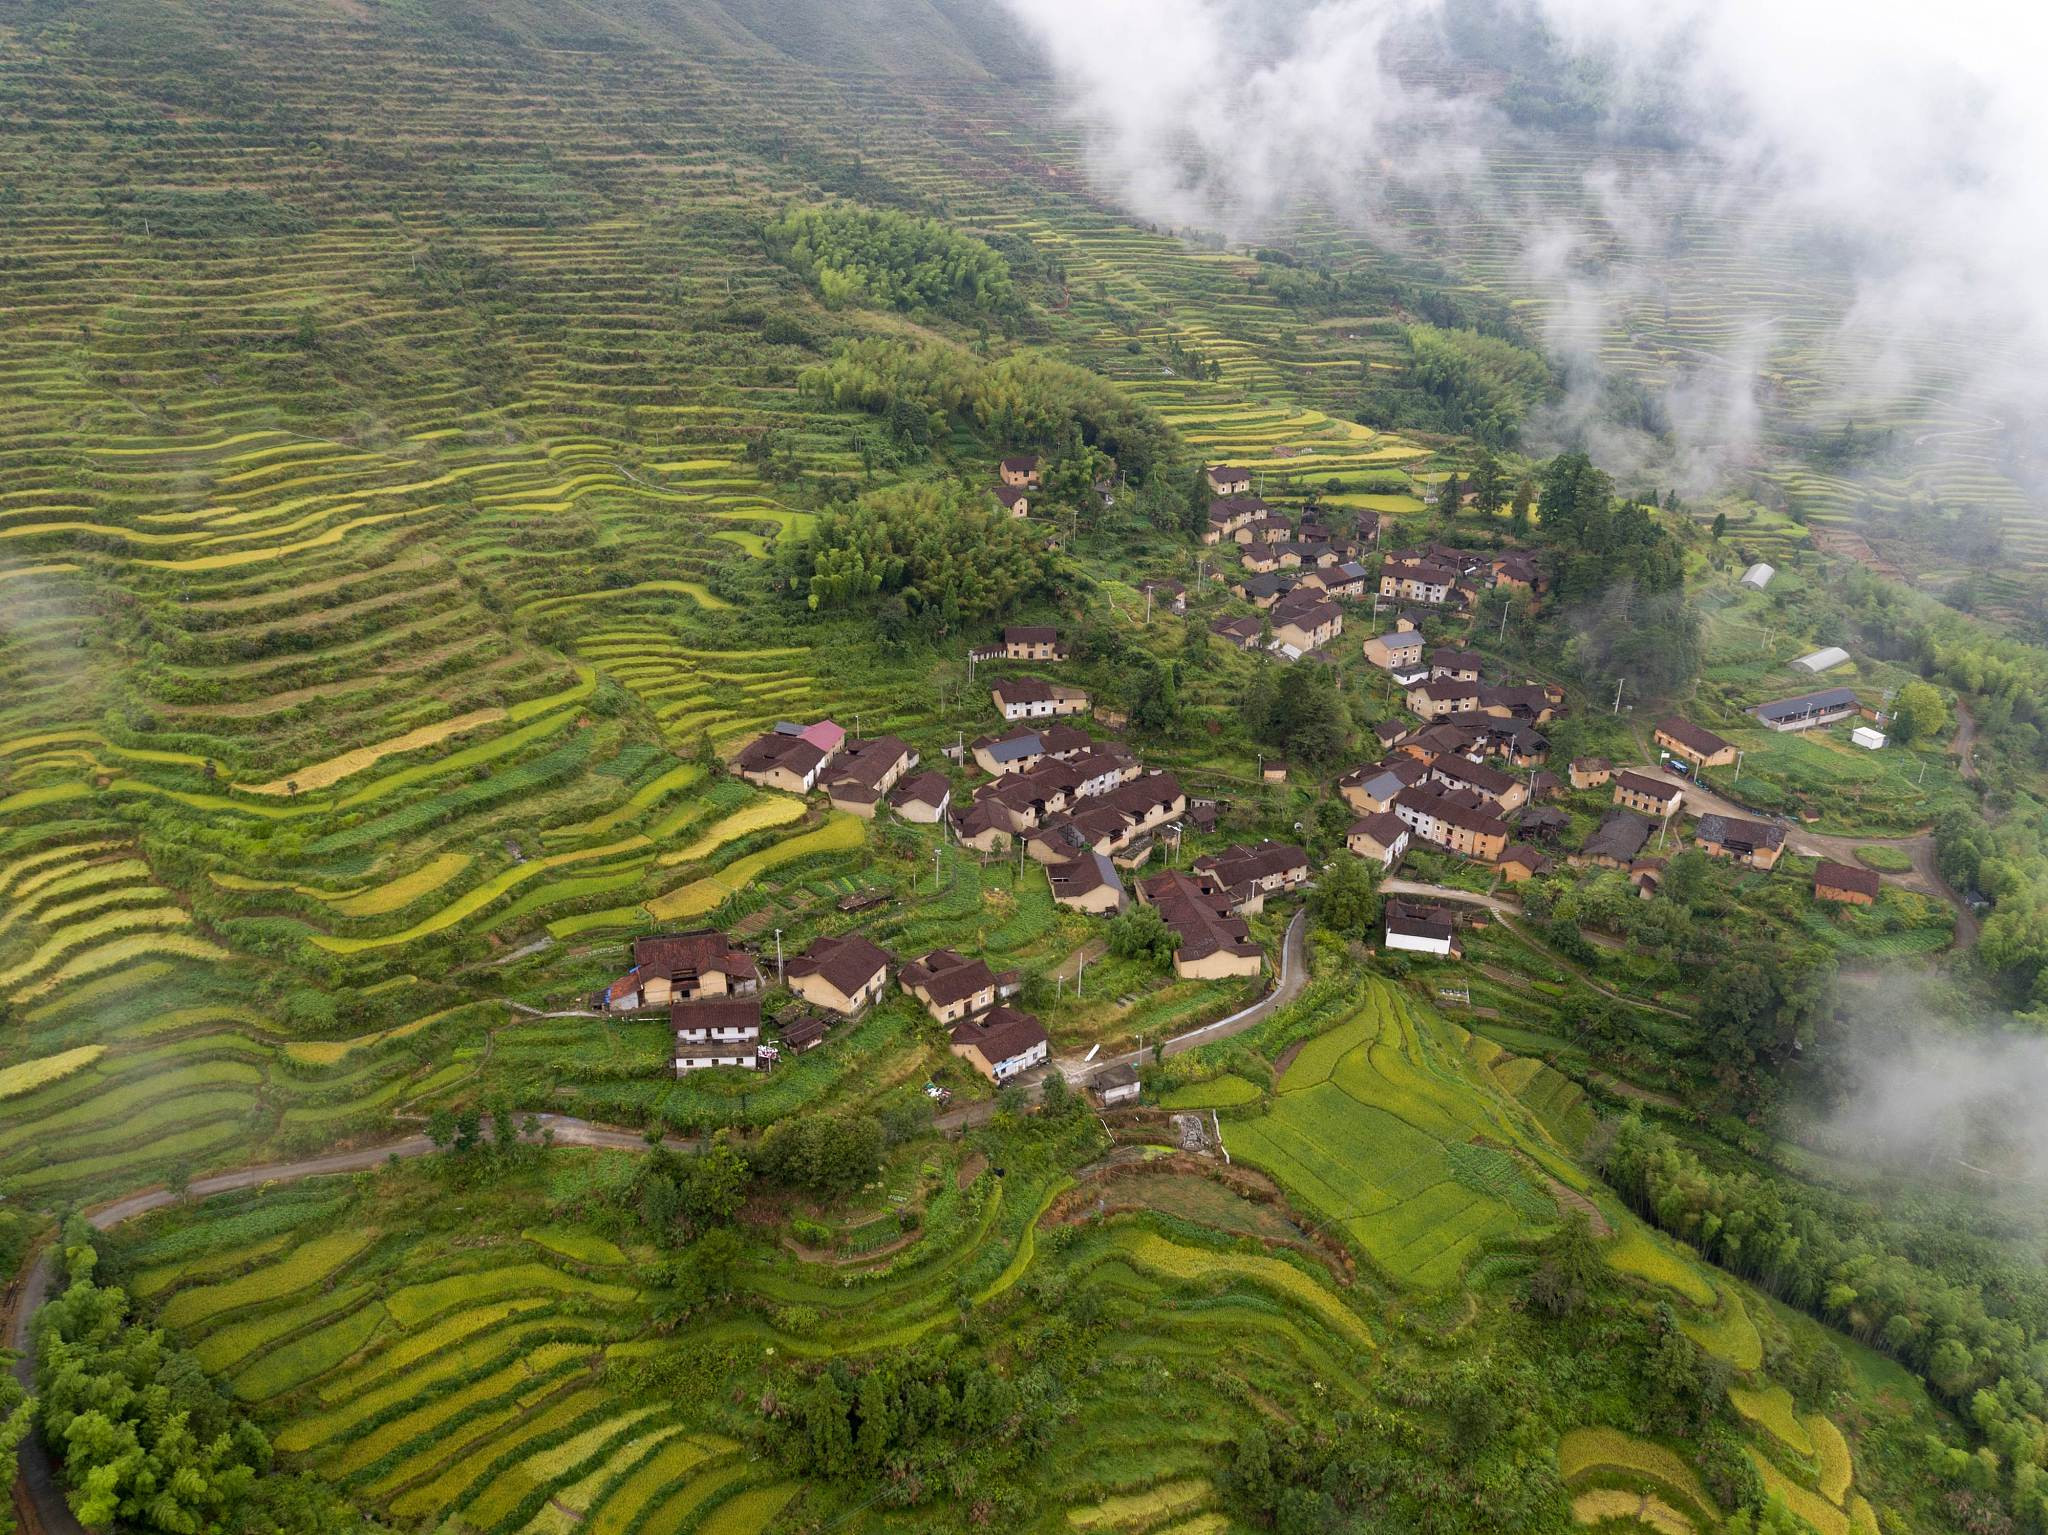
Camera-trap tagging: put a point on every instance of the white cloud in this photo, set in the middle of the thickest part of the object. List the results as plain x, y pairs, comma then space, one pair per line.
1906, 145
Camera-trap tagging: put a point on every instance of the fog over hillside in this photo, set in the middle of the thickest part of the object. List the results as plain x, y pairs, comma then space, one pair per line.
1901, 159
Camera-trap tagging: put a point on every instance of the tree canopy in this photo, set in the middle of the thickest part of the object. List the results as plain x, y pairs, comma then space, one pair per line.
1026, 400
1458, 381
945, 549
882, 259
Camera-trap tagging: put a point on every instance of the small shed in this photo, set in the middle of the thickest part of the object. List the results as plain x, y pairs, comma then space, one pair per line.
1870, 740
805, 1033
1114, 1085
1758, 576
1823, 660
1274, 772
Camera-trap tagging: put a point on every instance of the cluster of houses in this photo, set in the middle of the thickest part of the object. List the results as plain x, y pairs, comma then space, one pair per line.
1440, 576
1206, 908
1070, 799
1645, 804
1238, 516
857, 776
1444, 785
1031, 698
1016, 483
712, 991
1297, 570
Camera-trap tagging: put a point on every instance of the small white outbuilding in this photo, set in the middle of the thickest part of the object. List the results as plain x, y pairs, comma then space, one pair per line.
1870, 740
1823, 660
1758, 575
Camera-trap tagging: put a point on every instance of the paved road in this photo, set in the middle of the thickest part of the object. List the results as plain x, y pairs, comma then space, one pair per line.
1077, 1069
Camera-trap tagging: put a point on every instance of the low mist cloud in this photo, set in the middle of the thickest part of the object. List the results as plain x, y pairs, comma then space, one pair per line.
1899, 150
1939, 1102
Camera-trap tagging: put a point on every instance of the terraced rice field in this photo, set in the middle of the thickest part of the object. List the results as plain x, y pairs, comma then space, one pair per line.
1385, 1126
483, 1365
478, 1390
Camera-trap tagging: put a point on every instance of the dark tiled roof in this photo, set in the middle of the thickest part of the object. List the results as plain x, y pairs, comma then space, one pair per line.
716, 1013
1620, 836
778, 750
704, 952
921, 789
1001, 1034
849, 962
1807, 703
1660, 789
1727, 829
1236, 864
1846, 876
949, 977
1692, 737
864, 764
1385, 828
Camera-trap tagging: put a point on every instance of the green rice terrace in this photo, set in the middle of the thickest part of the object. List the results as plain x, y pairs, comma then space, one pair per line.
457, 460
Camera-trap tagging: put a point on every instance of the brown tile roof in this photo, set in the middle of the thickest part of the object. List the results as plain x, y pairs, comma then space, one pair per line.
921, 789
1444, 690
1199, 910
1846, 876
1001, 1034
716, 1013
848, 962
1491, 782
1236, 864
947, 977
1305, 616
866, 763
1692, 737
1660, 789
778, 750
703, 952
1384, 827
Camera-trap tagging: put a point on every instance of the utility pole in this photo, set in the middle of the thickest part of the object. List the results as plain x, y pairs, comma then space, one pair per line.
1503, 622
1618, 681
1738, 769
778, 956
935, 867
1148, 606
